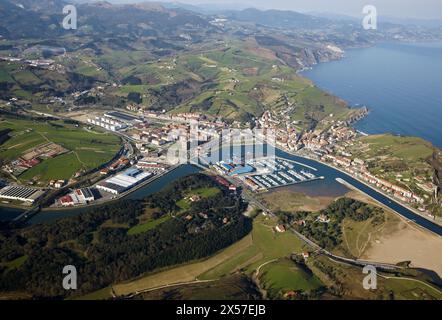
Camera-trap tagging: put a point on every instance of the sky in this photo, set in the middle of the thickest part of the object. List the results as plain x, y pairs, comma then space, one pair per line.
422, 9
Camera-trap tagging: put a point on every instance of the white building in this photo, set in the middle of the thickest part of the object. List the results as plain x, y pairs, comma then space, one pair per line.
24, 194
124, 181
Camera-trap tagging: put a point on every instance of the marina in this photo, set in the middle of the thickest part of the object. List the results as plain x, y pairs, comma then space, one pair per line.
263, 174
326, 184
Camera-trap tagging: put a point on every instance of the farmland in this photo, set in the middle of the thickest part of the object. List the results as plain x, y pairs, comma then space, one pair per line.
83, 150
232, 82
285, 276
247, 254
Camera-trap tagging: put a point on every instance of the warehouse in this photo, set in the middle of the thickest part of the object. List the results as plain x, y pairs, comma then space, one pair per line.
124, 181
21, 193
107, 123
123, 117
77, 197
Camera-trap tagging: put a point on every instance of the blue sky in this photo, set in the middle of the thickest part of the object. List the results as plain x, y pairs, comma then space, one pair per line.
428, 9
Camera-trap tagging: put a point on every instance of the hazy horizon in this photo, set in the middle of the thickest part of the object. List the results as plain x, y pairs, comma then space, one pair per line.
423, 9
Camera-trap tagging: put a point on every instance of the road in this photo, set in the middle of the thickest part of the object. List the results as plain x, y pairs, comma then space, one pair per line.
319, 249
251, 199
401, 209
255, 202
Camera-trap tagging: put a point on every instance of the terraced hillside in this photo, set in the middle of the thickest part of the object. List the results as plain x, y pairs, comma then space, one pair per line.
164, 59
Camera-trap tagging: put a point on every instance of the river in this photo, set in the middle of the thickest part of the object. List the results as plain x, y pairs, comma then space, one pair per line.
327, 187
7, 213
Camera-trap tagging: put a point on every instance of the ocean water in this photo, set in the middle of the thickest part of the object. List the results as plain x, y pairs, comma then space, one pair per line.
401, 83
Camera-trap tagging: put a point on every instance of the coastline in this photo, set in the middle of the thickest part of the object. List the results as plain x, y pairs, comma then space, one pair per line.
437, 221
376, 125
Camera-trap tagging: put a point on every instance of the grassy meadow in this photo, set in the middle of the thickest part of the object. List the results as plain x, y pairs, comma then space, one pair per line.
86, 150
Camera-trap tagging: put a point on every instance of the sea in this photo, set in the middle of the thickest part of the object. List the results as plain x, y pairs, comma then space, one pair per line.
401, 84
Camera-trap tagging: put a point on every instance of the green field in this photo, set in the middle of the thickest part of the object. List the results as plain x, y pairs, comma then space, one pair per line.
409, 289
5, 77
285, 275
267, 245
397, 159
61, 167
184, 204
26, 78
31, 84
102, 294
406, 148
16, 263
86, 150
144, 227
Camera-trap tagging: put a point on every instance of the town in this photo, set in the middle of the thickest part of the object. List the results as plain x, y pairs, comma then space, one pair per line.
154, 133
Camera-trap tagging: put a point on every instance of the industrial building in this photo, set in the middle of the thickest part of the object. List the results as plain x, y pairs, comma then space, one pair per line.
123, 117
107, 123
124, 181
21, 193
232, 169
150, 165
77, 197
242, 170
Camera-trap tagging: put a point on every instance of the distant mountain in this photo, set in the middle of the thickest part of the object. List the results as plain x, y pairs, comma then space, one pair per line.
427, 23
36, 5
278, 18
30, 18
43, 19
333, 16
205, 8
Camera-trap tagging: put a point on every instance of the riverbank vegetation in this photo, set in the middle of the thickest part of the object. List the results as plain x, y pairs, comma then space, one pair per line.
99, 245
271, 264
325, 227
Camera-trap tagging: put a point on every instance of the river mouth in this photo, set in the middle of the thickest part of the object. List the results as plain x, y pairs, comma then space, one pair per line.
327, 187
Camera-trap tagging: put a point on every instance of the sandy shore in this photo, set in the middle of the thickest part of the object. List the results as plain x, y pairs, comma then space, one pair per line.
406, 242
